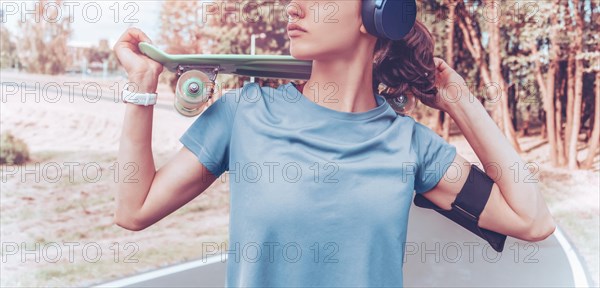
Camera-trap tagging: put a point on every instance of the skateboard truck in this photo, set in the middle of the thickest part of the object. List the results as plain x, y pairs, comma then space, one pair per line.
195, 87
212, 70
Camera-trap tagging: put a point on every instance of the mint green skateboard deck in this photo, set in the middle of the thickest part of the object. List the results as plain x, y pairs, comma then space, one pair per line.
265, 66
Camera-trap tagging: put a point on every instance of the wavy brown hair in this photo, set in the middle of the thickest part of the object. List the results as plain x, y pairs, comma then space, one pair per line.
406, 66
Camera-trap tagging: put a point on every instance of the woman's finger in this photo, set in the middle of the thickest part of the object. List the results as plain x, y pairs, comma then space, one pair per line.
139, 35
130, 39
134, 35
440, 64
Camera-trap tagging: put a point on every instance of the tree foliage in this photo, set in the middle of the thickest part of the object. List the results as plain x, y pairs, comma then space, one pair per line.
43, 37
8, 49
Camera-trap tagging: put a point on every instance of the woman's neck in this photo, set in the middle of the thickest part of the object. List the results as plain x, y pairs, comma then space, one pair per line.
341, 84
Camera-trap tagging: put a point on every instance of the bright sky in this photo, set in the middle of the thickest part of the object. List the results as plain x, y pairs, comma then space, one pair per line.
94, 20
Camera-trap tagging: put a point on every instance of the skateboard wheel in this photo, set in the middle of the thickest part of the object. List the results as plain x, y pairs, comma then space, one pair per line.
403, 104
193, 91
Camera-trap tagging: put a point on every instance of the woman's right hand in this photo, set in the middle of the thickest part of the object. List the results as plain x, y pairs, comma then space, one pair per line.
140, 69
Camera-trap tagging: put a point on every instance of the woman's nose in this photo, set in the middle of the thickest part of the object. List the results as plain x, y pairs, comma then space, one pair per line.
293, 11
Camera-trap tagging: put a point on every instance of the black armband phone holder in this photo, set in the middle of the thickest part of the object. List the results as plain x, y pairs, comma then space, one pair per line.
468, 205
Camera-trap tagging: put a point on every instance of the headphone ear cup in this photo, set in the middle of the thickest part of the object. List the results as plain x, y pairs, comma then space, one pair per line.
368, 16
392, 20
403, 104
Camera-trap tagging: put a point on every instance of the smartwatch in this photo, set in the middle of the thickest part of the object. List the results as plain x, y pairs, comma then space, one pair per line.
142, 99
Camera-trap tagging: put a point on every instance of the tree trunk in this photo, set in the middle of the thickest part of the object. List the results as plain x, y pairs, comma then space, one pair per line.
496, 73
569, 79
558, 120
551, 127
509, 129
593, 142
570, 97
547, 90
578, 88
446, 119
559, 139
439, 122
574, 135
472, 40
549, 106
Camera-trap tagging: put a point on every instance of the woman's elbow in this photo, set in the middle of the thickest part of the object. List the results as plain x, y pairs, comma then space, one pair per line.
540, 230
128, 223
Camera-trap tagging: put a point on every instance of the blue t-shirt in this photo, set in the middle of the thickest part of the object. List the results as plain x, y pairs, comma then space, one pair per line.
319, 197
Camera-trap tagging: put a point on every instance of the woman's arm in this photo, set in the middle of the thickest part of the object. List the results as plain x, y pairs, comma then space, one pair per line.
135, 149
149, 195
515, 207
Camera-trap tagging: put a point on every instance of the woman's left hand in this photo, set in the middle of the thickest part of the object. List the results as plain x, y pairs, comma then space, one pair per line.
452, 88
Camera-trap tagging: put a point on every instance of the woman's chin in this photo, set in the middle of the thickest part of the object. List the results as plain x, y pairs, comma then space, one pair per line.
301, 56
312, 52
301, 53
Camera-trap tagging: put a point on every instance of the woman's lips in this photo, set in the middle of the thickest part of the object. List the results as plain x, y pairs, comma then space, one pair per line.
294, 26
295, 30
295, 33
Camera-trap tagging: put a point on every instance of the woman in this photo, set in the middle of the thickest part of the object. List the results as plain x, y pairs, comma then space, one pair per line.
322, 176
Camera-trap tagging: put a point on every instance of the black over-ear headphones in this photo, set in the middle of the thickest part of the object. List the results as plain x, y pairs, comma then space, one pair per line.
389, 19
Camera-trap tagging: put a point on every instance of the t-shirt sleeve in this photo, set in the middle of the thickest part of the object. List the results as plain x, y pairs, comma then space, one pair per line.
434, 157
209, 136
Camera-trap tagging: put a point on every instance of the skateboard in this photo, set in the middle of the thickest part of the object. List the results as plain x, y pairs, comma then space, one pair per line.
197, 72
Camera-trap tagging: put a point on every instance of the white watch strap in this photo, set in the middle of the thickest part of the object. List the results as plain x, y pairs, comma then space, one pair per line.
143, 99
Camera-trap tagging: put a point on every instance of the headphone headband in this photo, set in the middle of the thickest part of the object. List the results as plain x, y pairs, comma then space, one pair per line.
389, 19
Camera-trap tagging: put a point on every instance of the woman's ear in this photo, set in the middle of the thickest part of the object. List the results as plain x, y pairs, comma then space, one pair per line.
363, 29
